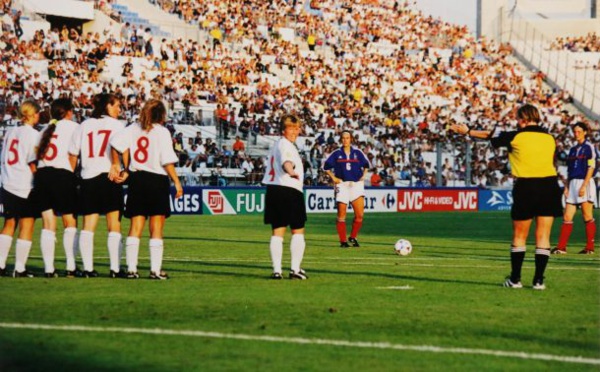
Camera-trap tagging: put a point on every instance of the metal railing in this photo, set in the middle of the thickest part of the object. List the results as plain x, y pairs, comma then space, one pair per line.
560, 67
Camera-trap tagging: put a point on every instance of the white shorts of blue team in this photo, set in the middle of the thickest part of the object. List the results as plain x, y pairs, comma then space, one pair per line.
346, 192
590, 196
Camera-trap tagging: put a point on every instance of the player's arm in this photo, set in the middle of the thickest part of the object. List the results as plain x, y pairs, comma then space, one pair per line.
333, 177
366, 165
288, 167
73, 161
465, 130
328, 166
365, 171
588, 176
117, 173
170, 169
119, 155
565, 183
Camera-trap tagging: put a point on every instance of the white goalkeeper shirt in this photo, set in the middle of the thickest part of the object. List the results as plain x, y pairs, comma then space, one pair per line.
283, 150
149, 151
19, 149
91, 142
57, 155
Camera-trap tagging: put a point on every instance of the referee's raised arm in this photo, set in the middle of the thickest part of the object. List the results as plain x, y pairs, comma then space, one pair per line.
464, 129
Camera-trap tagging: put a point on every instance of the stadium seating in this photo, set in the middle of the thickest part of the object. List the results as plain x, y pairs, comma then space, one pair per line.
135, 19
396, 88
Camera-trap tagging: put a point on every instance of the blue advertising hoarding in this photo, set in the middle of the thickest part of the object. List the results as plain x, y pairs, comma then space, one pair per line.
495, 200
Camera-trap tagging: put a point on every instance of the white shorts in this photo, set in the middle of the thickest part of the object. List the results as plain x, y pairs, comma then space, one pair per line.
590, 194
347, 192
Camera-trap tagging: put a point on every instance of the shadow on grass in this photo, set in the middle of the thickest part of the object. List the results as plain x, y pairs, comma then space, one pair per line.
267, 269
215, 240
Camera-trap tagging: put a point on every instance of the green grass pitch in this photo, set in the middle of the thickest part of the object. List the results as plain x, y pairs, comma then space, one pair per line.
441, 308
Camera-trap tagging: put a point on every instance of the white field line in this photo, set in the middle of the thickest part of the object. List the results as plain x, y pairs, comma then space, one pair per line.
401, 287
308, 341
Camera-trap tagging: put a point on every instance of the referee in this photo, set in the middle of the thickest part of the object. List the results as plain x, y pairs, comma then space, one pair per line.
536, 193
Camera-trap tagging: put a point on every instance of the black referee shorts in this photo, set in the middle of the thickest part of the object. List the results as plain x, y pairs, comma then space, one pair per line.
55, 189
536, 197
148, 195
100, 195
284, 206
17, 207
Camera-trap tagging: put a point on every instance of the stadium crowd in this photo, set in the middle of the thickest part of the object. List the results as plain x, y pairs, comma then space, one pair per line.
394, 77
588, 43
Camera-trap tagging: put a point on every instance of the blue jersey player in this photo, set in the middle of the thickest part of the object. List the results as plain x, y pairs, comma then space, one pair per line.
580, 189
347, 167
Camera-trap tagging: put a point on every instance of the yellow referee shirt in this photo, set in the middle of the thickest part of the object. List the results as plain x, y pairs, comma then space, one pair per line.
531, 151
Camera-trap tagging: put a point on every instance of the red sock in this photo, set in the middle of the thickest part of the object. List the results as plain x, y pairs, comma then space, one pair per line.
356, 225
341, 229
565, 233
590, 233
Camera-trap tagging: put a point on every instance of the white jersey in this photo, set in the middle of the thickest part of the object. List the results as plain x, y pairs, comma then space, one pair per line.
283, 150
148, 151
19, 149
57, 155
91, 142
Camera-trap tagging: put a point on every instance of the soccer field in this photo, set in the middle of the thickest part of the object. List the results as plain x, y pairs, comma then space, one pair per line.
441, 308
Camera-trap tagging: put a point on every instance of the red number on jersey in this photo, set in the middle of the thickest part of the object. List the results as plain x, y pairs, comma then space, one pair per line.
141, 154
13, 150
106, 135
272, 171
52, 151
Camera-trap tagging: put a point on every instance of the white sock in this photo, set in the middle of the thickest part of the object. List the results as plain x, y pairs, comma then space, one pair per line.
276, 247
86, 247
5, 243
47, 244
114, 250
156, 255
297, 246
132, 249
22, 253
70, 245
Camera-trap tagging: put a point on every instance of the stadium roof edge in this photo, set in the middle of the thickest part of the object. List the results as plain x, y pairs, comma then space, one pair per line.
62, 8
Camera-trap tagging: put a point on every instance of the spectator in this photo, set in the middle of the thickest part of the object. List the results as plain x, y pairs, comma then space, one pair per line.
375, 178
238, 146
17, 24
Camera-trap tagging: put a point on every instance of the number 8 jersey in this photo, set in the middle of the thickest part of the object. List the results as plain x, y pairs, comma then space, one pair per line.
283, 150
148, 151
91, 140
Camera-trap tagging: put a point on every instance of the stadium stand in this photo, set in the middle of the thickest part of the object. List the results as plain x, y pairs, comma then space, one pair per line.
393, 76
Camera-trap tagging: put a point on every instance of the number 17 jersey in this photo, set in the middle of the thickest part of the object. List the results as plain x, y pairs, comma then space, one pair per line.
91, 141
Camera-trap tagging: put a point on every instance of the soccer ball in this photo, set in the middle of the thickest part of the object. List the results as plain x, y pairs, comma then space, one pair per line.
403, 247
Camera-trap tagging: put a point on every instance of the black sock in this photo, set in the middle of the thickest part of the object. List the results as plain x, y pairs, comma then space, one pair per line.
542, 255
517, 256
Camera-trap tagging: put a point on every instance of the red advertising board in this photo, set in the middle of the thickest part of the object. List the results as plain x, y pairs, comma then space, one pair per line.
428, 200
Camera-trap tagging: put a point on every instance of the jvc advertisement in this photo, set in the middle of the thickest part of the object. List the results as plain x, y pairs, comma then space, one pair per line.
436, 200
